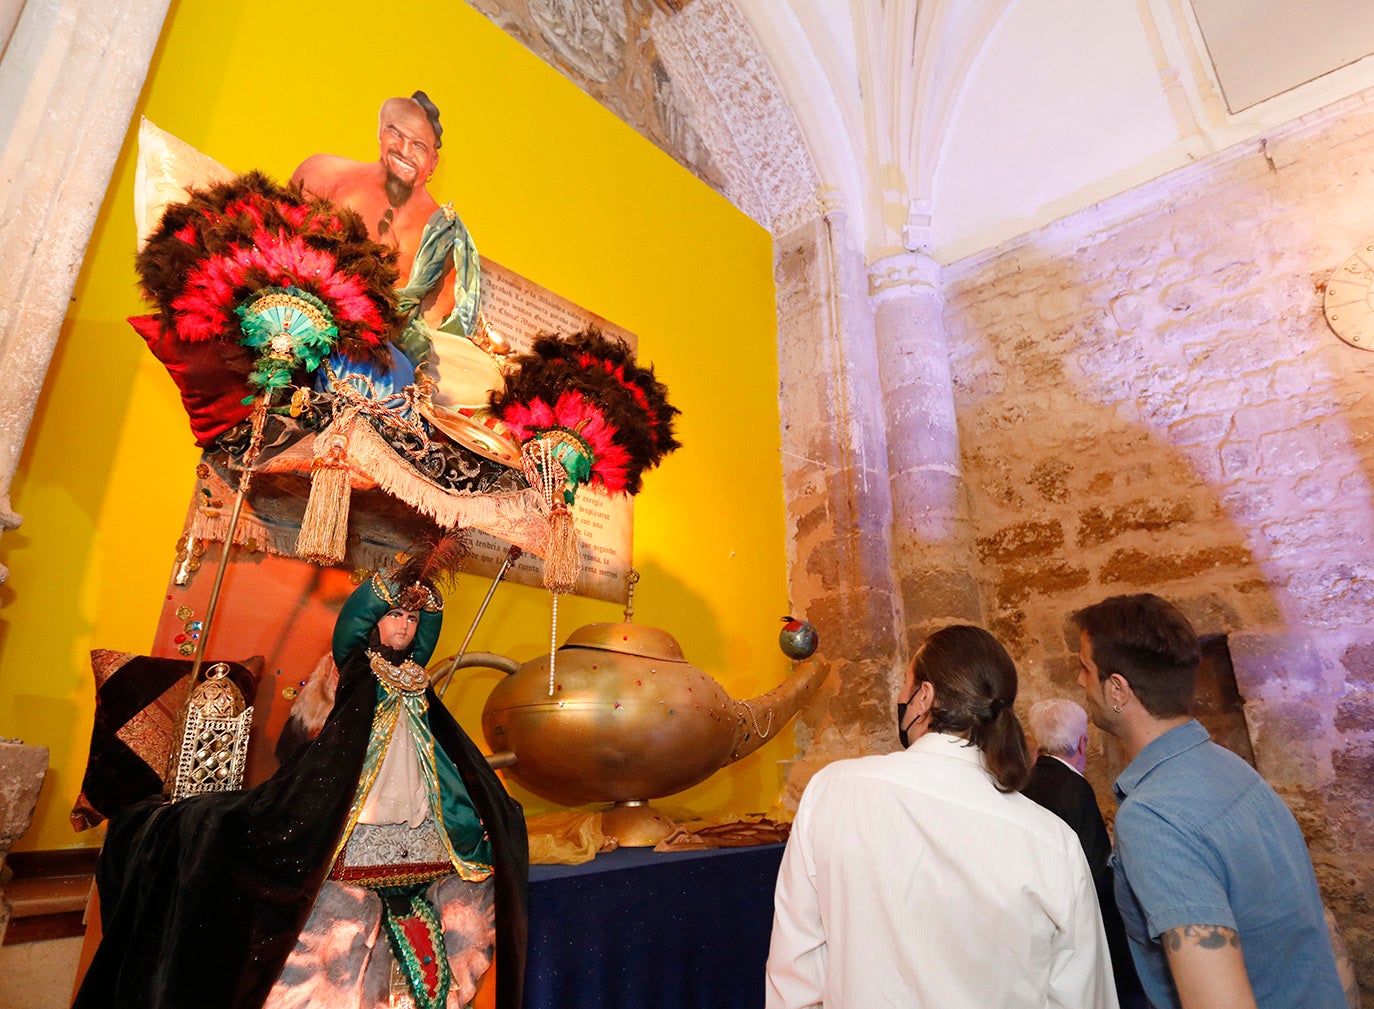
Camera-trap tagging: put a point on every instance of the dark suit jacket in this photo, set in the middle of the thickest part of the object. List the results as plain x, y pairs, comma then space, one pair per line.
1067, 794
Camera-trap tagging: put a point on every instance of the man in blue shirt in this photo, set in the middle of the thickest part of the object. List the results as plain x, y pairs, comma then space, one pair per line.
1213, 878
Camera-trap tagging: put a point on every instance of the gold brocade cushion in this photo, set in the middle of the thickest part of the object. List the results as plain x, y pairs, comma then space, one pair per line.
138, 699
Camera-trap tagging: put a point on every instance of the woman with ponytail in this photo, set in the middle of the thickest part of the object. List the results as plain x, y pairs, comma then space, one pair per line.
923, 877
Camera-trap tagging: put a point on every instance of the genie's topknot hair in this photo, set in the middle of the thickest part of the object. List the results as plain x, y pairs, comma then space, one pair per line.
432, 114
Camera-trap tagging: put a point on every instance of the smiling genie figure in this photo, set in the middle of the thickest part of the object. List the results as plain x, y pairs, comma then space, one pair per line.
390, 193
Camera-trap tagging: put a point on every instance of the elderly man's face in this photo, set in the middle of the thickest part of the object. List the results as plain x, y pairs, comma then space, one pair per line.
397, 628
407, 147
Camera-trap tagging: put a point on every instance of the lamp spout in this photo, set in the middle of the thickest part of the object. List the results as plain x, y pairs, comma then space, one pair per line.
759, 718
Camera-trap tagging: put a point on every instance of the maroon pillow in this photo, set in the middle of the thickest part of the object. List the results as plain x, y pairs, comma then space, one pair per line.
211, 375
137, 701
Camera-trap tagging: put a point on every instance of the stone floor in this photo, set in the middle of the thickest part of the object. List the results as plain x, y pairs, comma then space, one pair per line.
39, 975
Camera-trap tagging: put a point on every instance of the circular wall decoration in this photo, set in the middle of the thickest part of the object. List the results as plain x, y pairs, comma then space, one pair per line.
1349, 301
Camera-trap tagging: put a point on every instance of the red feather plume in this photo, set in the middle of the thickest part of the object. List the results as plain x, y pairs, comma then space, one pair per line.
225, 243
590, 384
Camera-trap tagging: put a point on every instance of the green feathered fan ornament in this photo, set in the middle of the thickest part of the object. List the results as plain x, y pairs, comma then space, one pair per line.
290, 329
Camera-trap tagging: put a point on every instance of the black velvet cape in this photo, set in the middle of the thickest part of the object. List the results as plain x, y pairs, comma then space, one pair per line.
201, 902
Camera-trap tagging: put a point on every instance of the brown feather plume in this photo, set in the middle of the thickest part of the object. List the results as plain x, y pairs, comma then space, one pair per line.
431, 567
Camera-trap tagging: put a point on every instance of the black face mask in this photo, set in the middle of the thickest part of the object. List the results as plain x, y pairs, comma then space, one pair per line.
902, 736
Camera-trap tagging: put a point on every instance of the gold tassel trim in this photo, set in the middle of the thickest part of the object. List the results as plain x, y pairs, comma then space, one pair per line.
280, 540
520, 517
324, 527
563, 563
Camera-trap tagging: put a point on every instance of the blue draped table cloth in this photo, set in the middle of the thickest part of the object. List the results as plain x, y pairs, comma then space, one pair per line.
639, 929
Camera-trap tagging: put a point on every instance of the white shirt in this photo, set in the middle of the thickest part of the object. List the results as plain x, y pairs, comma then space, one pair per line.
910, 881
1055, 756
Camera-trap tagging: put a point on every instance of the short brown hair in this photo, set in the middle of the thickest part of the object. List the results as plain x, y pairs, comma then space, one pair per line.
1148, 642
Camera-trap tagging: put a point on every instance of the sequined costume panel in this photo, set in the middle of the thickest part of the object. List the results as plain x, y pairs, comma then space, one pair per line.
376, 844
400, 787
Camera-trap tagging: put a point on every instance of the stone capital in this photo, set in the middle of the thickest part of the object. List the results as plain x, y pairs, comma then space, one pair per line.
833, 200
904, 275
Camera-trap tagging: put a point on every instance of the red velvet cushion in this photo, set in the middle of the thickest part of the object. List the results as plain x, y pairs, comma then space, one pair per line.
138, 700
211, 375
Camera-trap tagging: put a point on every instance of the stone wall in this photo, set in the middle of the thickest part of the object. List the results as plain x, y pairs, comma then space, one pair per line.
1149, 399
605, 47
22, 770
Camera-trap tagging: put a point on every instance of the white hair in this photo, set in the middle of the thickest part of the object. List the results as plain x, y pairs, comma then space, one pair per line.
1058, 724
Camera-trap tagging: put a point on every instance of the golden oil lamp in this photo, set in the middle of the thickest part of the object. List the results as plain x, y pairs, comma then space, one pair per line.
628, 719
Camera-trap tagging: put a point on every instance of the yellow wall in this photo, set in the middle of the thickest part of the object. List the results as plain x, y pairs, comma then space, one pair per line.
552, 186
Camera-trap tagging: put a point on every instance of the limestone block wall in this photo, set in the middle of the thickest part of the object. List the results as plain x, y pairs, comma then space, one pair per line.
1149, 399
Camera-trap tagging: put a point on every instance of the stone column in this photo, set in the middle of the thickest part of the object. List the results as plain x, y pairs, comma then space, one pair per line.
69, 83
932, 561
835, 474
22, 769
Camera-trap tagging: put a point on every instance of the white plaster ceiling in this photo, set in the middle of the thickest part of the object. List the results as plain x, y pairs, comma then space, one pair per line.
9, 17
1262, 48
955, 125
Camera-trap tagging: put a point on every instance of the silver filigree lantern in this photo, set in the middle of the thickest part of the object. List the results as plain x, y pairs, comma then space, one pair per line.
214, 741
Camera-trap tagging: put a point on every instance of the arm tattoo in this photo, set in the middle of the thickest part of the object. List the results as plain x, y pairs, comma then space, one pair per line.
1205, 936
